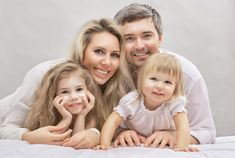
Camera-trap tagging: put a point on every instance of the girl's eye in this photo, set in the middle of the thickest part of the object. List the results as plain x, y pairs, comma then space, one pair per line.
64, 92
168, 82
153, 78
79, 89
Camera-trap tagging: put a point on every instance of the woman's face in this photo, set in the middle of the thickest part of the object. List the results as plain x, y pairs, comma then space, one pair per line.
101, 56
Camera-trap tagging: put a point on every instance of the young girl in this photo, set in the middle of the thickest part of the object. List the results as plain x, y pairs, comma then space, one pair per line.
63, 98
157, 104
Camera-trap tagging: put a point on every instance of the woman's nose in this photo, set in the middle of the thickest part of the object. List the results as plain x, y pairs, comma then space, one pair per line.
106, 60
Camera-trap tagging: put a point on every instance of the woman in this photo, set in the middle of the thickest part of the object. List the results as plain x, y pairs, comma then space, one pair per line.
99, 47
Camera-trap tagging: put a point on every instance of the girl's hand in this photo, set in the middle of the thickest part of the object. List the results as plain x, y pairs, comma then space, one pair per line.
59, 104
89, 102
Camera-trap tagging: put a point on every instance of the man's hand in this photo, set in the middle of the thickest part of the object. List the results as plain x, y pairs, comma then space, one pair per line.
128, 138
160, 139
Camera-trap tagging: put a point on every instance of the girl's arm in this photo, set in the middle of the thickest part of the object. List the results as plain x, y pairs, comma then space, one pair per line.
80, 124
182, 133
108, 130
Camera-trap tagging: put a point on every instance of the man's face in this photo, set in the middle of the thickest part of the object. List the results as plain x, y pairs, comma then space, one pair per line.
141, 40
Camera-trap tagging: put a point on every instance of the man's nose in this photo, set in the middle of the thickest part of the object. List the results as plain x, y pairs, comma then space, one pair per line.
139, 44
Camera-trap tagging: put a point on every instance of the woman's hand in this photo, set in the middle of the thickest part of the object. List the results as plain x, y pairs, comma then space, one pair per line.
53, 135
86, 139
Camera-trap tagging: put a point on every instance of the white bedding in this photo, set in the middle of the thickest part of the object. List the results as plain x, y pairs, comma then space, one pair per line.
223, 148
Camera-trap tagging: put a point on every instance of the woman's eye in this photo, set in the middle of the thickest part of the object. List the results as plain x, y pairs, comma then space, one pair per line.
115, 55
99, 51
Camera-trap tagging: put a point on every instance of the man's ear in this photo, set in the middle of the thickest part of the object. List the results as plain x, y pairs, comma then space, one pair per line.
160, 39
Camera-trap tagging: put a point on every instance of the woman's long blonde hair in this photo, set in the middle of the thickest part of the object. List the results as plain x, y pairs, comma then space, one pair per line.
44, 113
121, 82
166, 63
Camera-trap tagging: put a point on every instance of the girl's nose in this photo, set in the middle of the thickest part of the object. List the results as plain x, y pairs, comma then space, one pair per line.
159, 85
74, 97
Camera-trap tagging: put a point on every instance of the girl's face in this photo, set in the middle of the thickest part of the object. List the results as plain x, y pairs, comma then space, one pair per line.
72, 89
101, 56
157, 88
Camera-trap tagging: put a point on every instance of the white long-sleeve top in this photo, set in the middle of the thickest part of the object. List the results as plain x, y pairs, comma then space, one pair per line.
199, 114
18, 104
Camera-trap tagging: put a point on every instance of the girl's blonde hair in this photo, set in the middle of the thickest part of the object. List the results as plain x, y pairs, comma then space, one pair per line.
165, 63
43, 112
121, 82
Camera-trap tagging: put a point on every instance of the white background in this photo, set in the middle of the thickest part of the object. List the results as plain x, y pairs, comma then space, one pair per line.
33, 31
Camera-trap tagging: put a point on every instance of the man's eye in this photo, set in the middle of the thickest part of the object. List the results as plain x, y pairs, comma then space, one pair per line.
129, 39
147, 36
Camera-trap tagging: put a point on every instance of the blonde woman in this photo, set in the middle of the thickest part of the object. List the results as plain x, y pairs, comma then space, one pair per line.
157, 104
99, 48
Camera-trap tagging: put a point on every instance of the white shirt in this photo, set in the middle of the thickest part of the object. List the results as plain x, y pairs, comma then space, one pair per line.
198, 107
19, 103
137, 117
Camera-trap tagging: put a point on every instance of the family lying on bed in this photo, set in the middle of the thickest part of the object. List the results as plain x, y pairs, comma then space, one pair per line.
152, 96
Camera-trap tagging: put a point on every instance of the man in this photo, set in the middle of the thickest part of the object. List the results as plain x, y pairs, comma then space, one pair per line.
142, 31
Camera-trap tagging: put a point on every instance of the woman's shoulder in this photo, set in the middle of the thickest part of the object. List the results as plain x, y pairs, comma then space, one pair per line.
37, 72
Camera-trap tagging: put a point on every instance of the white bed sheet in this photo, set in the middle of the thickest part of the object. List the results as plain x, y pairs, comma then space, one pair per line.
223, 148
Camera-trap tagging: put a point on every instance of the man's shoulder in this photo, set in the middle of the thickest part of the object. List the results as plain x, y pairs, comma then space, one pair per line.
188, 68
43, 67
